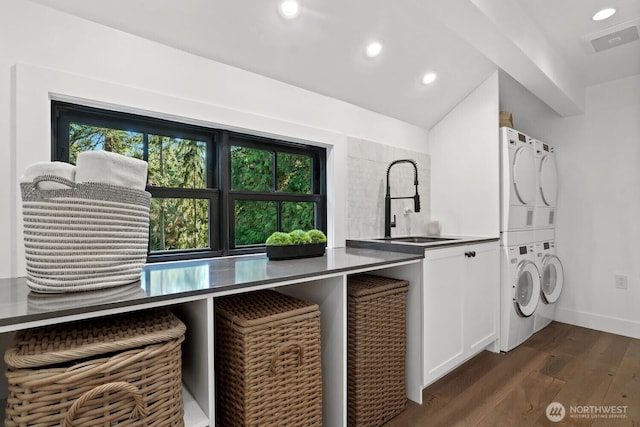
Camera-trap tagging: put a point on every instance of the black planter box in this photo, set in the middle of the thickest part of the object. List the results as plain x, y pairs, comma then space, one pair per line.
296, 251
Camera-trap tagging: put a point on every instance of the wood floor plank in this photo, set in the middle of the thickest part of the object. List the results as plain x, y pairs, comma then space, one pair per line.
440, 393
607, 352
550, 337
588, 387
526, 402
413, 415
465, 376
624, 391
593, 374
576, 342
562, 363
477, 401
559, 366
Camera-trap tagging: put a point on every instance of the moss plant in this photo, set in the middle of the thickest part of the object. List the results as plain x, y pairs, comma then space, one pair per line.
296, 237
279, 239
299, 237
317, 236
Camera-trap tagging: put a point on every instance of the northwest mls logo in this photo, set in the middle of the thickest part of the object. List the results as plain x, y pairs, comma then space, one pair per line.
555, 412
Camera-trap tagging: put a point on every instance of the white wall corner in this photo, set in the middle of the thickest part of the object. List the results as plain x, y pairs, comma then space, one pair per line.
13, 192
337, 193
464, 148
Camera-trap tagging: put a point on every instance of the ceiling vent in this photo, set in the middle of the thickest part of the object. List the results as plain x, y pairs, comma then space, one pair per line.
612, 37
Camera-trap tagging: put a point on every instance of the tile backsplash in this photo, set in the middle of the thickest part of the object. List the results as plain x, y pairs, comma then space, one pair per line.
367, 163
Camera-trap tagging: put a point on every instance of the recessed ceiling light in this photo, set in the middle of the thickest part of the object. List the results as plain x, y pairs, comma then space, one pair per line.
373, 49
289, 9
429, 78
604, 14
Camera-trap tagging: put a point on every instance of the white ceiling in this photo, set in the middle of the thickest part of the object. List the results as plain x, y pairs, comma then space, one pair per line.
538, 42
566, 22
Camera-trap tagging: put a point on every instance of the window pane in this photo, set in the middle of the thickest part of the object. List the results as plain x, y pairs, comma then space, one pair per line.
178, 224
177, 162
294, 173
297, 215
251, 169
93, 138
255, 221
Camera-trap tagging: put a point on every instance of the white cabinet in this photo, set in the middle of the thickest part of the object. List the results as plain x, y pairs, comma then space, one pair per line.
461, 294
482, 297
443, 309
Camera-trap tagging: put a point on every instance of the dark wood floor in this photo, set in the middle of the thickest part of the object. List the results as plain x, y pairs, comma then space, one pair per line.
562, 363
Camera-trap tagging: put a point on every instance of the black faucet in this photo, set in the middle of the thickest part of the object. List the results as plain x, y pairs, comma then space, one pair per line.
387, 198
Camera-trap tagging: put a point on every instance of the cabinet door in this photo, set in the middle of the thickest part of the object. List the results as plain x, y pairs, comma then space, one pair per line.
482, 297
443, 300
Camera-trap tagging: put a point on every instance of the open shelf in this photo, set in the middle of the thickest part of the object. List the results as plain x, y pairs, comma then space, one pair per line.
327, 290
194, 416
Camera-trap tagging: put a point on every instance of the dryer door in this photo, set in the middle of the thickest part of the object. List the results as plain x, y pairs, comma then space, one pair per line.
523, 175
551, 278
548, 180
526, 288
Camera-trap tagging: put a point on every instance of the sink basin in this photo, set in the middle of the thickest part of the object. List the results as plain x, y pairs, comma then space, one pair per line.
416, 239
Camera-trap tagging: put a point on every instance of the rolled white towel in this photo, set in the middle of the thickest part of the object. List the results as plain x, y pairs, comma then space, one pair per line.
111, 168
61, 169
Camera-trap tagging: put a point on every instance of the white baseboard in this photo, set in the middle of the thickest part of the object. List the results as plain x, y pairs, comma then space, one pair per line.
614, 325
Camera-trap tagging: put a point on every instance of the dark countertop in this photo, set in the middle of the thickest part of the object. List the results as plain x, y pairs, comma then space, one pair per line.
172, 281
418, 248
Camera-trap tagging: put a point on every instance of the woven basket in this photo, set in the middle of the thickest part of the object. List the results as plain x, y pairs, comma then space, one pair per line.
506, 119
45, 303
268, 363
376, 349
123, 370
87, 236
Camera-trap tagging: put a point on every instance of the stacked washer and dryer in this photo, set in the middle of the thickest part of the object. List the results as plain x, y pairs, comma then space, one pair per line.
549, 265
531, 272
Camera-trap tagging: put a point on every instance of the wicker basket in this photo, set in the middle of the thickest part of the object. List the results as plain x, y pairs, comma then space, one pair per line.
376, 349
85, 237
506, 119
123, 369
268, 363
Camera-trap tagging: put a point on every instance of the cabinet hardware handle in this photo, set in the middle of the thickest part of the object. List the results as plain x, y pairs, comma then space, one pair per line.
467, 254
473, 254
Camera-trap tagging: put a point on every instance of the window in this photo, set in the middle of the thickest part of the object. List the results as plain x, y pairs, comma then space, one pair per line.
213, 192
274, 187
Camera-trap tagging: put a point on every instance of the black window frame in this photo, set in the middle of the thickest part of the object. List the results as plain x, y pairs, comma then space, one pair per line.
318, 184
218, 176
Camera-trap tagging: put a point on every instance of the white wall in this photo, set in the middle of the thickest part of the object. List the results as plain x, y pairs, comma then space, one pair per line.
60, 56
465, 192
598, 214
530, 114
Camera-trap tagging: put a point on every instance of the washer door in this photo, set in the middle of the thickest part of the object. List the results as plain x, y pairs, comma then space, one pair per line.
526, 288
523, 175
551, 278
548, 180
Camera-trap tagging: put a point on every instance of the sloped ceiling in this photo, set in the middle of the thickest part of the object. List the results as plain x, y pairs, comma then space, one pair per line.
463, 41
